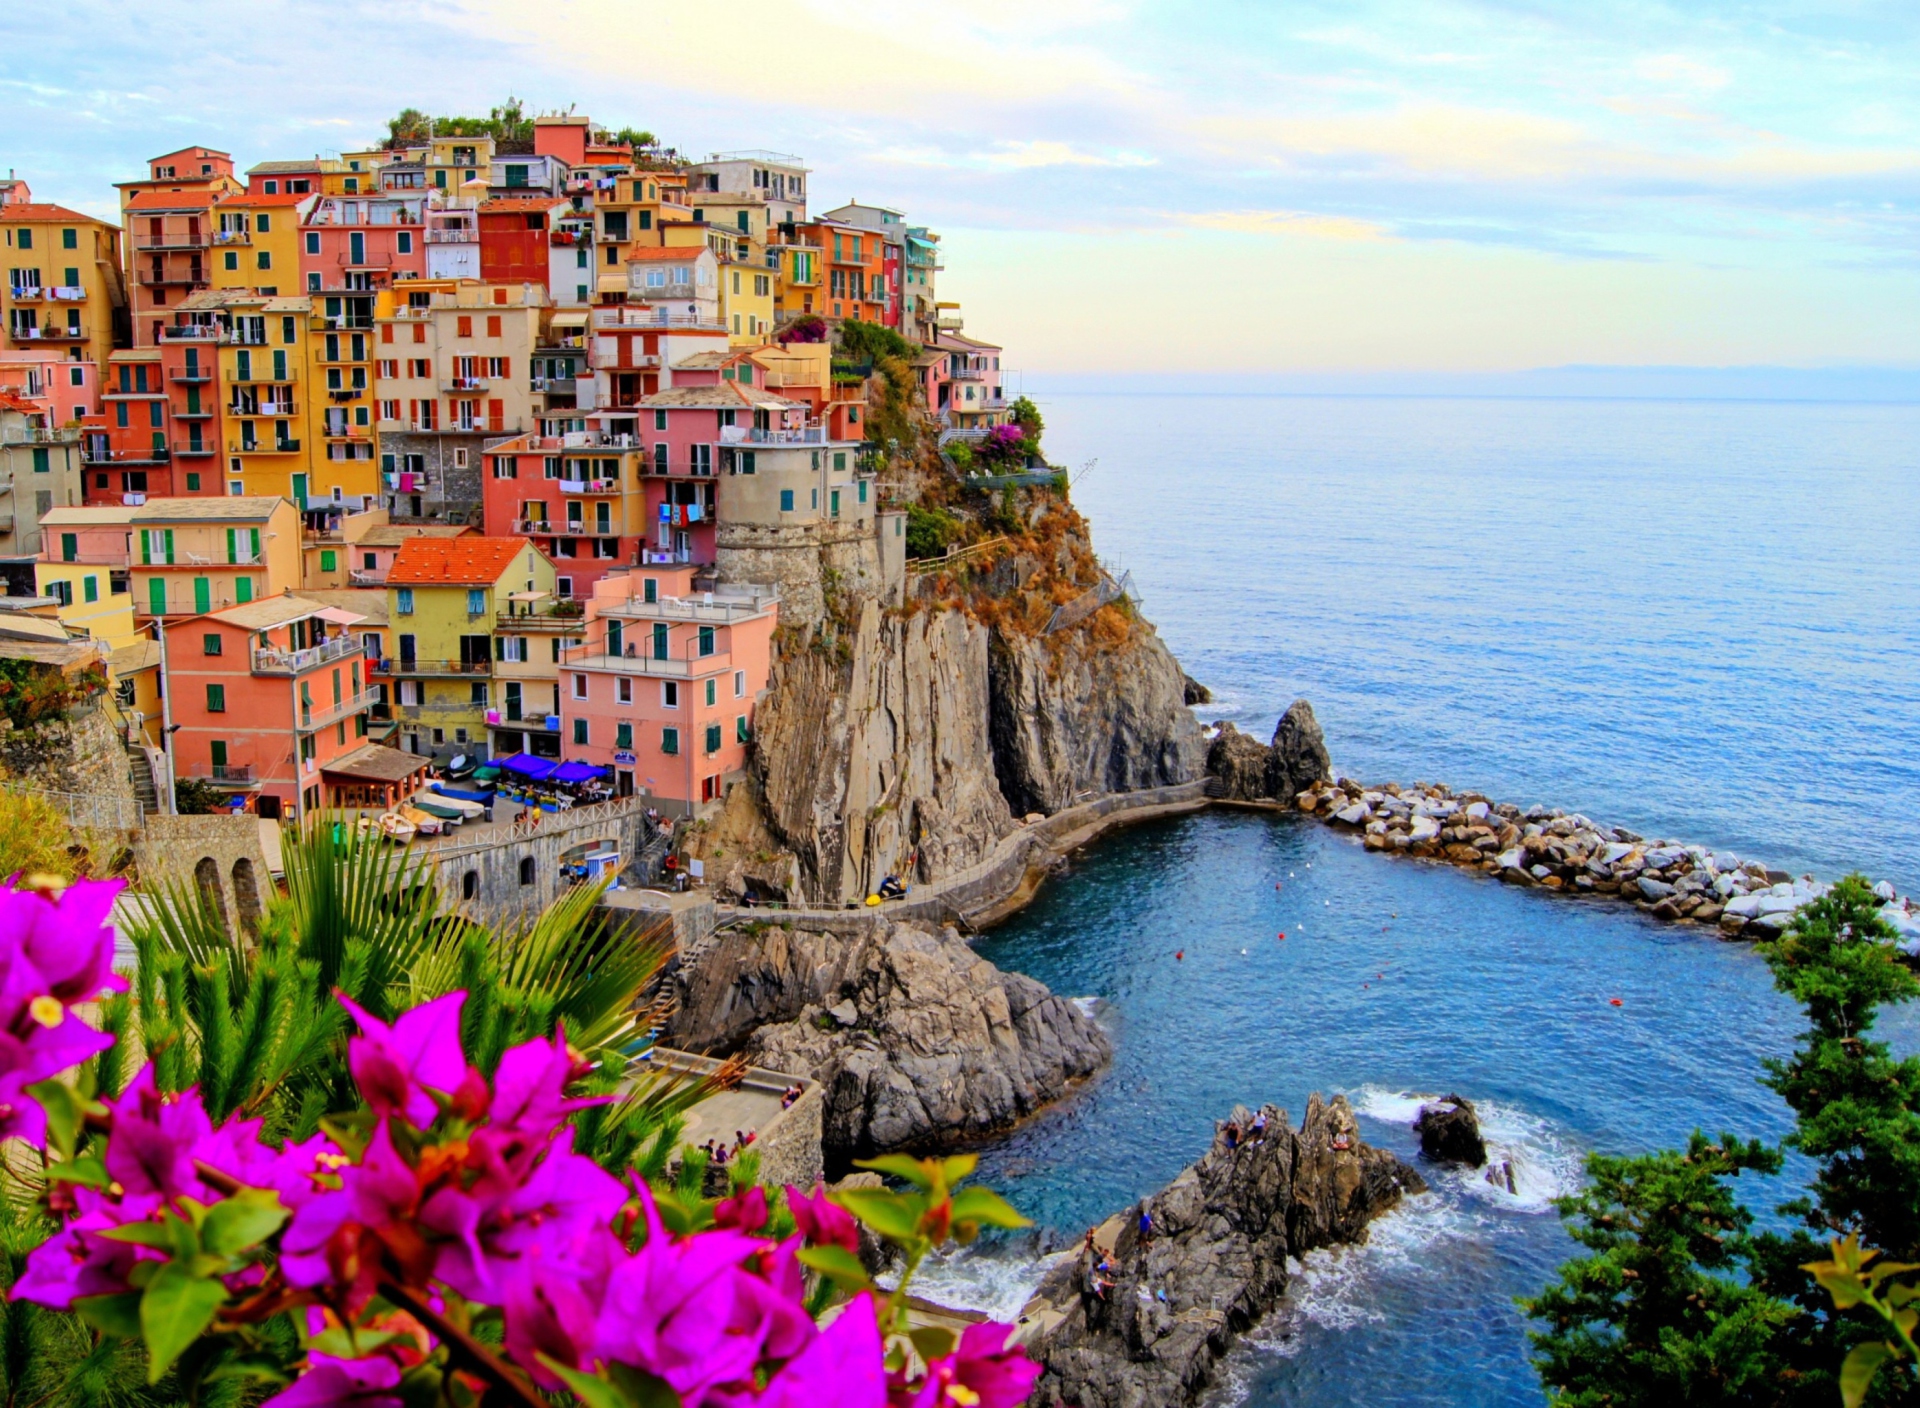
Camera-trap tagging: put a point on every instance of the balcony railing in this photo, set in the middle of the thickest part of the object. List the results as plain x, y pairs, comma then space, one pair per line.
364, 578
50, 333
28, 293
191, 449
554, 383
191, 376
452, 236
464, 383
720, 611
256, 377
40, 434
232, 237
263, 447
193, 332
412, 666
588, 486
230, 774
320, 715
293, 662
149, 278
170, 240
754, 435
555, 617
595, 657
341, 322
157, 454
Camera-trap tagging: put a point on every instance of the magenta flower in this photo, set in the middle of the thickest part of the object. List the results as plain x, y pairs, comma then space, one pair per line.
744, 1212
823, 1222
550, 1217
395, 1066
372, 1382
983, 1372
552, 1307
77, 1262
65, 938
154, 1136
841, 1366
528, 1086
379, 1191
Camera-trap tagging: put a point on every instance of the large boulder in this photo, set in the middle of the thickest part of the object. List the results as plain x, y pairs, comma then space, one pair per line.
1299, 757
916, 1039
1241, 765
1151, 1330
1449, 1132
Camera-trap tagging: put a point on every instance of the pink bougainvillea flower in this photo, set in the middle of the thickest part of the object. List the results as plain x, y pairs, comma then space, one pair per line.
823, 1222
551, 1215
982, 1372
528, 1086
76, 1261
552, 1307
395, 1066
840, 1366
744, 1212
372, 1382
154, 1136
65, 936
377, 1194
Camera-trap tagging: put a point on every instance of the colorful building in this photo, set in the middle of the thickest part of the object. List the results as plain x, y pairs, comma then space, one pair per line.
65, 295
263, 697
538, 239
167, 223
580, 498
40, 470
891, 228
192, 556
256, 242
342, 551
84, 560
444, 597
663, 686
64, 391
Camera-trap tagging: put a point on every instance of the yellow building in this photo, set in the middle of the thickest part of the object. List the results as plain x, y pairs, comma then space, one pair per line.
747, 277
192, 556
84, 562
630, 212
444, 599
63, 282
797, 275
256, 242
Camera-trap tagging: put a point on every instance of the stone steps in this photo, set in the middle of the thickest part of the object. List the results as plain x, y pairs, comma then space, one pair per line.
141, 773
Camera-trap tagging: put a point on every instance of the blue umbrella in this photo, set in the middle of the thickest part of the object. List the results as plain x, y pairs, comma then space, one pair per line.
528, 766
576, 772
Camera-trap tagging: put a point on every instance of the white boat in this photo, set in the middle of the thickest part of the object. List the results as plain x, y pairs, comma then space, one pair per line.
396, 827
422, 822
472, 811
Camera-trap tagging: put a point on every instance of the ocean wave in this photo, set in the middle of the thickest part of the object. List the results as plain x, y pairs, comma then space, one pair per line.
1546, 1163
994, 1280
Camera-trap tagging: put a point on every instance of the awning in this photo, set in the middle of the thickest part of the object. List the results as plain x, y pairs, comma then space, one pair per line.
527, 766
339, 616
612, 283
376, 763
576, 772
574, 319
528, 596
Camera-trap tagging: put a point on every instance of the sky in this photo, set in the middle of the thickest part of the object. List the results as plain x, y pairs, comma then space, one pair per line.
1151, 189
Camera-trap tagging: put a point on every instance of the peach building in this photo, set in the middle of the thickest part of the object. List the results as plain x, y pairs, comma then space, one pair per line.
664, 688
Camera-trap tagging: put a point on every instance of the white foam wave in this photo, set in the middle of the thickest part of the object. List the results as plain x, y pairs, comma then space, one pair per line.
1089, 1006
1545, 1163
996, 1281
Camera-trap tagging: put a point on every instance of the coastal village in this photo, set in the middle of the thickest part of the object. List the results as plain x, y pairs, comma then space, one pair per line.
452, 450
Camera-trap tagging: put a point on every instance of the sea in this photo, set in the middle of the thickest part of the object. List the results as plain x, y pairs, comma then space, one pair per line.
1698, 619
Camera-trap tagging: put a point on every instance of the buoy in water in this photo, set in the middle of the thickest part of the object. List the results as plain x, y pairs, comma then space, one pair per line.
1179, 954
1283, 933
1243, 953
1613, 1002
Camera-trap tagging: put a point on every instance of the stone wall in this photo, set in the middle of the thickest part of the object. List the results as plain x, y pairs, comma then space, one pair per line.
82, 756
487, 872
789, 1141
452, 494
806, 564
221, 855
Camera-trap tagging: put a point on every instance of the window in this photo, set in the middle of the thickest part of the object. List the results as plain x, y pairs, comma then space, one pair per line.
659, 420
69, 239
476, 601
713, 689
328, 559
216, 699
713, 738
786, 501
650, 587
404, 242
313, 242
526, 871
623, 690
478, 696
463, 326
739, 684
493, 320
740, 728
706, 641
263, 260
579, 686
670, 742
669, 694
231, 259
580, 732
403, 601
210, 645
623, 736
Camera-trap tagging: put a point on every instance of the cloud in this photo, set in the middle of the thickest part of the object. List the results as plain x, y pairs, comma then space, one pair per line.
1286, 222
1679, 71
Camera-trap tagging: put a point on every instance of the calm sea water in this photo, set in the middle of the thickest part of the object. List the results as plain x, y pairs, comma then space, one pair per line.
1695, 619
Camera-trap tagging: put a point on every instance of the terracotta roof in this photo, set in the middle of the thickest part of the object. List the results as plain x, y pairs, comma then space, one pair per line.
471, 561
268, 612
13, 214
11, 401
726, 396
266, 197
495, 205
172, 200
131, 659
369, 603
392, 535
191, 151
274, 168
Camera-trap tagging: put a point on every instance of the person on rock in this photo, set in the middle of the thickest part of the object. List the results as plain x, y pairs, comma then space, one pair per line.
1146, 1227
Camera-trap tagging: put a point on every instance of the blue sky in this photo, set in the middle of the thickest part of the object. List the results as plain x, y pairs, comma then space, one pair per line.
1255, 188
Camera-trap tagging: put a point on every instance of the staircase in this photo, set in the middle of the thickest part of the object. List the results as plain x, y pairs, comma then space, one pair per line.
141, 771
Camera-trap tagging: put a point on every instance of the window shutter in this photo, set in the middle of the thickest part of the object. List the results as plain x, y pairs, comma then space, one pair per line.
232, 549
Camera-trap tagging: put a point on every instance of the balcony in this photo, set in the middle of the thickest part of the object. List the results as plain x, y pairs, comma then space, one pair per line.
51, 333
754, 435
565, 384
374, 577
452, 235
263, 447
588, 486
321, 715
557, 616
341, 322
283, 376
410, 667
595, 657
345, 393
232, 237
223, 774
293, 662
640, 317
28, 293
193, 332
719, 612
169, 239
568, 342
260, 409
190, 449
160, 278
157, 454
39, 434
464, 383
191, 376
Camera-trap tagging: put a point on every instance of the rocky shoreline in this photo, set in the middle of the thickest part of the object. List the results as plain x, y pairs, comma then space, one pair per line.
1574, 855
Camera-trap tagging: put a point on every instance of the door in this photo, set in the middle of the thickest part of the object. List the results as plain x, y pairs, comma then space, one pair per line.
300, 490
156, 596
202, 595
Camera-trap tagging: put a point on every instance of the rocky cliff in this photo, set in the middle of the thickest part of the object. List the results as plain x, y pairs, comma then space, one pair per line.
917, 1040
1246, 770
1150, 1330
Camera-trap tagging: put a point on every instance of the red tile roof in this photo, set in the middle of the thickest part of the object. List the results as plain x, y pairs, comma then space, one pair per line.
38, 211
496, 205
9, 401
471, 561
172, 200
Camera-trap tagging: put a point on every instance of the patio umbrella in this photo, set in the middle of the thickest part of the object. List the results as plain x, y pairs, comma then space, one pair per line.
576, 772
527, 766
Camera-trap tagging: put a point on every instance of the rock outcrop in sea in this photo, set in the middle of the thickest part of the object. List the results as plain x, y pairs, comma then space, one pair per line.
917, 1041
1449, 1131
1243, 769
1150, 1329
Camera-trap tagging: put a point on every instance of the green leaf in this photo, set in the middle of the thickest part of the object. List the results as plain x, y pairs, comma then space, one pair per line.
895, 1216
1856, 1375
244, 1220
591, 1389
157, 1235
86, 1170
112, 1315
932, 1342
838, 1265
175, 1311
642, 1389
336, 1343
956, 1167
66, 1113
985, 1205
920, 1173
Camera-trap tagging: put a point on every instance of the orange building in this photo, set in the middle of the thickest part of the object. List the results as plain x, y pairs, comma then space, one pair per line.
263, 697
169, 232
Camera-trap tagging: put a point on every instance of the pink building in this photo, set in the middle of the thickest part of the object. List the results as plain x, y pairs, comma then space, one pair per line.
687, 430
63, 390
360, 243
663, 691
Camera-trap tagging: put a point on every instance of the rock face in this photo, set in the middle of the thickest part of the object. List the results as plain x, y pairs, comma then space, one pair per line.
917, 1040
1215, 1262
1299, 753
1247, 771
1449, 1132
1196, 693
879, 753
1071, 717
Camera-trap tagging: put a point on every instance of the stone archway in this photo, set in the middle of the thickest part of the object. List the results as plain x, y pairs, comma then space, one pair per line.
246, 896
206, 879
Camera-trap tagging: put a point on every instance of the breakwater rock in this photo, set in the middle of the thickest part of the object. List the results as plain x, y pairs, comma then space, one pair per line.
916, 1040
1242, 769
1574, 855
1142, 1319
1449, 1131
